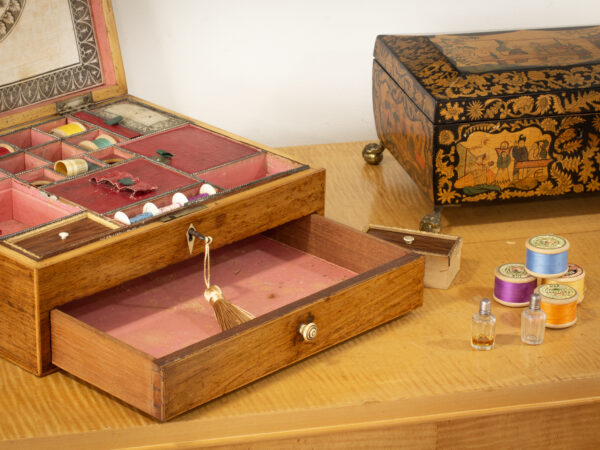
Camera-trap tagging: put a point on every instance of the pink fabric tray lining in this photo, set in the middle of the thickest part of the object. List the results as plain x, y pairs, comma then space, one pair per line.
23, 207
165, 311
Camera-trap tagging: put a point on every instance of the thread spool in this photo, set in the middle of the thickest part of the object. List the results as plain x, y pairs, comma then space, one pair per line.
559, 302
513, 286
111, 161
68, 129
123, 218
71, 167
574, 277
5, 149
547, 256
102, 141
206, 190
40, 183
155, 210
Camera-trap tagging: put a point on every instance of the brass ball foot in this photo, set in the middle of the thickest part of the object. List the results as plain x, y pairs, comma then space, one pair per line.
373, 153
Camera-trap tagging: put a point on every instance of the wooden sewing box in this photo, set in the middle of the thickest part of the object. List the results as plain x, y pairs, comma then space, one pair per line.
121, 306
490, 117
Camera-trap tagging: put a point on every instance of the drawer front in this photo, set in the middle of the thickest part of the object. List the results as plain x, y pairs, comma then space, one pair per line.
371, 299
388, 283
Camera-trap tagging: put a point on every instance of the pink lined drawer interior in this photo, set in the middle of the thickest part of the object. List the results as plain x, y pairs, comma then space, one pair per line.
165, 311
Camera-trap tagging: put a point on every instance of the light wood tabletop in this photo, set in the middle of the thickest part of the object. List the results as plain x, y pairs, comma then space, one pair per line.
414, 382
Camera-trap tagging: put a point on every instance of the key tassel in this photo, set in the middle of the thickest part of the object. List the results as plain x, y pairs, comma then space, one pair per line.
227, 314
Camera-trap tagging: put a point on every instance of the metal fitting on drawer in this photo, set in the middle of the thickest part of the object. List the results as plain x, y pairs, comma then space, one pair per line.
308, 331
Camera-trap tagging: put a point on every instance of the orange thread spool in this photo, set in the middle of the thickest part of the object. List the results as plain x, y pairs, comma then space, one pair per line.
575, 277
559, 302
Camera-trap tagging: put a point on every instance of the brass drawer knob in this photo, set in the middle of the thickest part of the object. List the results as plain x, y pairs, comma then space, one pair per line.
308, 331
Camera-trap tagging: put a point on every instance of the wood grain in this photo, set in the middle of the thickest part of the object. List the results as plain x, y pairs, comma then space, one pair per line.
173, 384
109, 262
18, 313
422, 242
340, 315
103, 361
413, 380
46, 243
336, 243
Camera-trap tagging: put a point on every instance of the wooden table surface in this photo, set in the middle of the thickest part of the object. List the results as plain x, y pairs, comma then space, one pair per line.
412, 382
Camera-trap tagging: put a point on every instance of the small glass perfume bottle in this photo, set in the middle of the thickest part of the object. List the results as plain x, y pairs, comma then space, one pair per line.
533, 322
483, 327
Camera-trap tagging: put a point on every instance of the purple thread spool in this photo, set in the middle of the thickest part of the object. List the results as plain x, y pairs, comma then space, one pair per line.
198, 197
513, 286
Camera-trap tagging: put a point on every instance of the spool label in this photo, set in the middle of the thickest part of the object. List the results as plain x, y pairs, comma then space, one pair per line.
557, 291
547, 242
574, 271
513, 271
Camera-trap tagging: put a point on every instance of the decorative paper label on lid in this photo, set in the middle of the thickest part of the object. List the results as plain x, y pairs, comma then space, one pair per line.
557, 291
513, 270
548, 242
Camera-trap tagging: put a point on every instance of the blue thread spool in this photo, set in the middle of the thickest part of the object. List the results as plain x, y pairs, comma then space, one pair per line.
122, 217
547, 256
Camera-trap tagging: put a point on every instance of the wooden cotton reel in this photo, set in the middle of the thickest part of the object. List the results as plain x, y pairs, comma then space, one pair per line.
102, 141
68, 129
559, 302
513, 286
547, 256
574, 277
6, 149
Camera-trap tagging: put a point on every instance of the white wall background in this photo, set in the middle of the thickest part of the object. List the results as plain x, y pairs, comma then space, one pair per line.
294, 72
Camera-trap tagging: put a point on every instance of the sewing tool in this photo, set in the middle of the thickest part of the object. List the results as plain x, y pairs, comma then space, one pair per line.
547, 256
5, 149
559, 302
155, 210
102, 141
513, 286
574, 277
206, 190
71, 167
123, 218
68, 129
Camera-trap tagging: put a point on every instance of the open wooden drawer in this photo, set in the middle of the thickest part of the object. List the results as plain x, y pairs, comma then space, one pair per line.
154, 342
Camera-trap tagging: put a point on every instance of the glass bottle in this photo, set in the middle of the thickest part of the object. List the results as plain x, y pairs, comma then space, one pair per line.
483, 327
533, 322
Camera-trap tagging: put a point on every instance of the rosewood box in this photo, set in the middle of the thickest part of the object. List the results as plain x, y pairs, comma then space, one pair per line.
100, 283
492, 116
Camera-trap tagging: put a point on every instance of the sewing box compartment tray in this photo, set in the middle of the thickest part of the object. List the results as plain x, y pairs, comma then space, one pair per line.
490, 117
98, 284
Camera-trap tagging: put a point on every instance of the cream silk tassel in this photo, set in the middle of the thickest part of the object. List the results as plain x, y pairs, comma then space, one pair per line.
227, 314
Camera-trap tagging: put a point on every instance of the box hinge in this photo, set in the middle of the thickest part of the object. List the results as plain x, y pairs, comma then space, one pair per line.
75, 104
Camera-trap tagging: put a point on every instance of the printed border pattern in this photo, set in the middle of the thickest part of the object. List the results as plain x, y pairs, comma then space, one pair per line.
86, 74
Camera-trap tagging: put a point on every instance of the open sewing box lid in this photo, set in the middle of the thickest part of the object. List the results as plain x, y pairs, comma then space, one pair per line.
56, 56
486, 76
